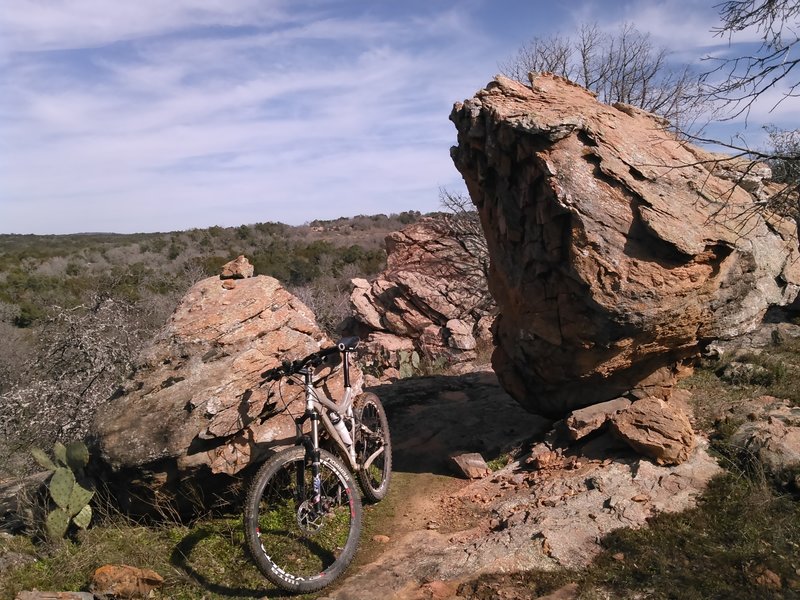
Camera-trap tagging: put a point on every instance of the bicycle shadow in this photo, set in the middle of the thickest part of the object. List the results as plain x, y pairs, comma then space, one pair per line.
182, 559
432, 417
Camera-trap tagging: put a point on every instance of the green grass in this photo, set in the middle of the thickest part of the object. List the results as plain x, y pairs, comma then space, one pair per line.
207, 560
498, 463
717, 550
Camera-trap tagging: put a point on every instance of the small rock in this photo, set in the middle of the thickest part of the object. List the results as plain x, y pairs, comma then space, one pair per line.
381, 539
619, 556
567, 592
239, 268
542, 457
768, 579
641, 498
124, 581
470, 464
228, 284
10, 560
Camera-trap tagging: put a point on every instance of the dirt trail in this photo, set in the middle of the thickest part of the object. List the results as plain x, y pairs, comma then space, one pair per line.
425, 519
444, 530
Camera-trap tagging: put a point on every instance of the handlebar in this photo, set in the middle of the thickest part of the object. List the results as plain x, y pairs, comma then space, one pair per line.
314, 359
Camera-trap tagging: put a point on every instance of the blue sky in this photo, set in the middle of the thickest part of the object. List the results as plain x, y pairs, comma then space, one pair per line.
159, 116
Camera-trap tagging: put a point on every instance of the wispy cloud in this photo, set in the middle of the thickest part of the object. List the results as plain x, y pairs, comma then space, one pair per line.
162, 119
155, 116
67, 24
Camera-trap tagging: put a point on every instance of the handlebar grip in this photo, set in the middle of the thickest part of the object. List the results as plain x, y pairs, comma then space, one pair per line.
291, 367
272, 374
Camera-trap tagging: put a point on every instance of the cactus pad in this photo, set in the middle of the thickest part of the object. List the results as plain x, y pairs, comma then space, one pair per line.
61, 484
44, 461
56, 524
78, 499
77, 455
60, 452
84, 517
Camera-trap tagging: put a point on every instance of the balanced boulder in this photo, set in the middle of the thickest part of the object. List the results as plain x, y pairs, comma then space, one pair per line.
616, 252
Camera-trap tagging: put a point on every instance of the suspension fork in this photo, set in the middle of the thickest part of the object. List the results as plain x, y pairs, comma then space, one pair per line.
311, 444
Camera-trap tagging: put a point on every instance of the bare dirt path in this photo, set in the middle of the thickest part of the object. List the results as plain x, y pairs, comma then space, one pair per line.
444, 531
424, 519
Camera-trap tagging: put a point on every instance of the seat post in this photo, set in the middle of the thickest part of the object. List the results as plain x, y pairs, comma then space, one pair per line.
346, 367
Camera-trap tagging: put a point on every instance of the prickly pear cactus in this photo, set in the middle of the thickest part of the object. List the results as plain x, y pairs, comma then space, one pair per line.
57, 523
60, 452
61, 484
78, 499
69, 490
77, 455
44, 461
408, 363
83, 518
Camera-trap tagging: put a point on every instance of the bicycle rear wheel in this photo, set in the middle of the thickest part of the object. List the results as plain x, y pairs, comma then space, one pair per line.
298, 546
373, 447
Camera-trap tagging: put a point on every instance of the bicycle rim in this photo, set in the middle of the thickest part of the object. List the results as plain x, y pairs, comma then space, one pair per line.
373, 448
297, 544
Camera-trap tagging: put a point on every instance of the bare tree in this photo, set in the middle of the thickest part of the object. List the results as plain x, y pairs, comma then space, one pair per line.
784, 159
622, 67
738, 82
735, 84
462, 223
84, 352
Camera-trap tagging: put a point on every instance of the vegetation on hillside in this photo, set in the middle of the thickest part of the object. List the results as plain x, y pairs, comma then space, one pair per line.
76, 309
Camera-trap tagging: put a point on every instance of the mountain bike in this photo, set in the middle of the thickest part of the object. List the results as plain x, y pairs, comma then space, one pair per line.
302, 516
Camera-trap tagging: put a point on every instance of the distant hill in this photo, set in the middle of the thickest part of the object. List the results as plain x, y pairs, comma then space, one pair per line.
41, 271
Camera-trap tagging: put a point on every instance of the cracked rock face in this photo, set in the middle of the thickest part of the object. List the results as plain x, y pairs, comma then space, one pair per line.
613, 257
194, 401
431, 299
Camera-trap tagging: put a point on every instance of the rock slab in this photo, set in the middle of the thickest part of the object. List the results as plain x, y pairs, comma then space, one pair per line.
195, 403
616, 253
772, 435
470, 464
431, 299
584, 421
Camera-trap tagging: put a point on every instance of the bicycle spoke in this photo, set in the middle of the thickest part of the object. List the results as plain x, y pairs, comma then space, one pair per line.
298, 538
373, 448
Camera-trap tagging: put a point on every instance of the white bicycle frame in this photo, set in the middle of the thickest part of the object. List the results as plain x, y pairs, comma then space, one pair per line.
317, 401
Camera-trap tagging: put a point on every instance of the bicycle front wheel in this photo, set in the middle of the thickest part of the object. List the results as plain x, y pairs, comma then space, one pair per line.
298, 544
373, 447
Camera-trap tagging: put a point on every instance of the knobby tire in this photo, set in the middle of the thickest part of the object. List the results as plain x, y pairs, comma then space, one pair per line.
296, 548
372, 435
